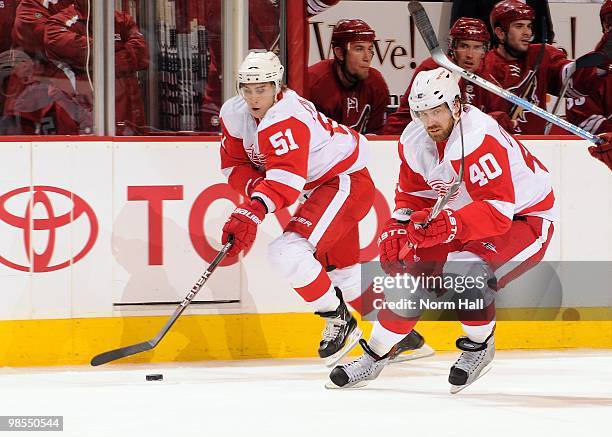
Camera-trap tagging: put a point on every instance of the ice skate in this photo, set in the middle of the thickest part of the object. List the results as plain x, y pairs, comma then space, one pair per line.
358, 372
411, 347
473, 363
341, 334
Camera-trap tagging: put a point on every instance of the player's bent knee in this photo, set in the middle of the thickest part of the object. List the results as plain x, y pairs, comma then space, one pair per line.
292, 254
469, 277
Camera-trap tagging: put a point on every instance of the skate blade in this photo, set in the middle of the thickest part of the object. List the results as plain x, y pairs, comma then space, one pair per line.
457, 388
331, 386
351, 341
423, 352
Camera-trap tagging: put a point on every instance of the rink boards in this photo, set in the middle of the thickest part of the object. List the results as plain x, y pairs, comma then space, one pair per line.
101, 238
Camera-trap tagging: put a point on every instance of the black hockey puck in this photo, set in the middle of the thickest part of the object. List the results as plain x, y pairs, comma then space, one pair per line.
155, 377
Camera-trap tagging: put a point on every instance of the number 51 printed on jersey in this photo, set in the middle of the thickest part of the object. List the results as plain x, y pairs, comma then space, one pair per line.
283, 142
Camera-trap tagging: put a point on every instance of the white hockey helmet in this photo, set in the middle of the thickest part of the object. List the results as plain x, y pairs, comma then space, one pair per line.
259, 67
432, 88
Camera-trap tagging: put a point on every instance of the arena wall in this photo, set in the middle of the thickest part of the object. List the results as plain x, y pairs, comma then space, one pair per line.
101, 238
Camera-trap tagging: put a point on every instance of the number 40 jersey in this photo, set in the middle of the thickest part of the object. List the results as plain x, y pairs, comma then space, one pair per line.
294, 148
502, 181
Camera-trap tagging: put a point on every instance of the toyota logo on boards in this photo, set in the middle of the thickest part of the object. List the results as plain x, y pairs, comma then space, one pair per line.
45, 218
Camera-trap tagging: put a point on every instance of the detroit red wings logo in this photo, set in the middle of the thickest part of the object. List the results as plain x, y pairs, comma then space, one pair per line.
441, 187
256, 158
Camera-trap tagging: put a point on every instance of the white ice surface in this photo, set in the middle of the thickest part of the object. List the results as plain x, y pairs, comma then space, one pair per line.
544, 393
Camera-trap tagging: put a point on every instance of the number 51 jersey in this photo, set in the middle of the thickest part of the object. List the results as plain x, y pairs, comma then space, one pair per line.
501, 179
296, 146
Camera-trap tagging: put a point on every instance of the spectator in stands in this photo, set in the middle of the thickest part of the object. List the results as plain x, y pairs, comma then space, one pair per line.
264, 28
481, 9
468, 43
593, 112
298, 39
29, 106
347, 88
526, 69
68, 44
7, 18
131, 56
264, 33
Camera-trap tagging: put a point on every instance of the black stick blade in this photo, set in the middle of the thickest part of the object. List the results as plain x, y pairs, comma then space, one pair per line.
423, 24
122, 352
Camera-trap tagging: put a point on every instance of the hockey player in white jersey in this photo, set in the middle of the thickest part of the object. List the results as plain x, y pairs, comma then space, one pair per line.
276, 148
497, 225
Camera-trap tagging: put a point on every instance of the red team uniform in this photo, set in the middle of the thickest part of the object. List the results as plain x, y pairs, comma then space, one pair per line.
506, 203
362, 107
464, 29
531, 74
131, 56
7, 18
276, 147
29, 100
500, 222
67, 46
592, 113
347, 88
295, 149
513, 75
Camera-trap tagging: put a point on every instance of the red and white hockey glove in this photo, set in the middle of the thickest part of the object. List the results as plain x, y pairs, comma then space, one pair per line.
242, 224
443, 229
603, 152
392, 238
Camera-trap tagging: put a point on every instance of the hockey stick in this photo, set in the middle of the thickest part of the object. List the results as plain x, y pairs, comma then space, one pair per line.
593, 59
431, 41
148, 345
442, 200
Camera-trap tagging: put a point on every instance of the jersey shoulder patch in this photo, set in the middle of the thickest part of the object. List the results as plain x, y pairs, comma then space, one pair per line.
233, 113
